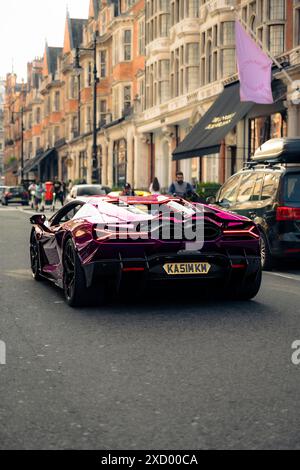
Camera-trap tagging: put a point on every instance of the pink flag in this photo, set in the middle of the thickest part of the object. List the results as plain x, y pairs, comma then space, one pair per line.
254, 67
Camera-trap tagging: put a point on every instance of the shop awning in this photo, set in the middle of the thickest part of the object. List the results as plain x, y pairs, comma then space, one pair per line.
220, 119
34, 162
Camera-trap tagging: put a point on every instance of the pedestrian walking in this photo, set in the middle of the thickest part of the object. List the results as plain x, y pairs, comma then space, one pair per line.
58, 192
32, 190
70, 186
155, 187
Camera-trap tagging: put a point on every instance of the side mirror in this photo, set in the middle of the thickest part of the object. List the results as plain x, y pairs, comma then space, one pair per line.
38, 219
211, 200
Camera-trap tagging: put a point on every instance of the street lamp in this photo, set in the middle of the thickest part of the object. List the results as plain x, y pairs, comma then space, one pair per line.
77, 67
21, 113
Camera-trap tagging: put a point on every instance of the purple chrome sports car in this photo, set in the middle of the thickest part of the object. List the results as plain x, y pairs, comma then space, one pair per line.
95, 246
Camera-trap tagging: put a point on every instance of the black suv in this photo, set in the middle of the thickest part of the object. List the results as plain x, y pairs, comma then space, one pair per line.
268, 192
15, 194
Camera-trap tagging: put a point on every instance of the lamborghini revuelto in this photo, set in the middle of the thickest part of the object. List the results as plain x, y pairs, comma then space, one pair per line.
95, 246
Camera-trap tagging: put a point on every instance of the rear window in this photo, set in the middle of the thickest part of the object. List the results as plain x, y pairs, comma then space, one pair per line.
292, 188
17, 189
90, 191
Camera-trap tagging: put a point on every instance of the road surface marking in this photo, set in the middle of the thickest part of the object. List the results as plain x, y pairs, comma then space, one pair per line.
286, 276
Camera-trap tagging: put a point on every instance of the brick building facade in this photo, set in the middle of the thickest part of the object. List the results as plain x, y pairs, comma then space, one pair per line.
161, 64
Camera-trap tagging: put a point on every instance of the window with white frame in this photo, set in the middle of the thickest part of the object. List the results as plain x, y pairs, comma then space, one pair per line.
163, 81
89, 74
38, 144
127, 98
228, 62
116, 48
103, 62
127, 47
277, 10
73, 87
181, 9
57, 101
192, 62
276, 39
56, 133
142, 37
177, 72
157, 19
88, 119
74, 126
102, 112
141, 88
267, 19
228, 33
116, 103
149, 86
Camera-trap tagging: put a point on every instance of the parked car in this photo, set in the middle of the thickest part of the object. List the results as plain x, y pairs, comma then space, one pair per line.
92, 248
268, 192
85, 190
15, 194
2, 189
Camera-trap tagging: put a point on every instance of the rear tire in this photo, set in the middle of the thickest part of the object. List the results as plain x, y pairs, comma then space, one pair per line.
247, 289
267, 261
35, 258
76, 292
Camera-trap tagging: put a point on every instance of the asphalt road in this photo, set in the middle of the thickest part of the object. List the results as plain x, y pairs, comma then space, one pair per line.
158, 374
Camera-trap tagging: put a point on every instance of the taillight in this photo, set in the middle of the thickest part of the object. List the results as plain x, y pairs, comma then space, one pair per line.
249, 231
287, 213
8, 194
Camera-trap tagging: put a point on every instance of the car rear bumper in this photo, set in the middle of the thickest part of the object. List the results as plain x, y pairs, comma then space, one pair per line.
287, 245
151, 268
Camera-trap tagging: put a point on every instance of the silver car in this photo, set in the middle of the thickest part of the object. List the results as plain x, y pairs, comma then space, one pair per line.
84, 190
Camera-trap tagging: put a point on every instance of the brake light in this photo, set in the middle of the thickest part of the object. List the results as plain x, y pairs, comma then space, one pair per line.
287, 213
133, 270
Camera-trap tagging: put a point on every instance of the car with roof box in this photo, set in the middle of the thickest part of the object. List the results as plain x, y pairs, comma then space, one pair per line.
267, 191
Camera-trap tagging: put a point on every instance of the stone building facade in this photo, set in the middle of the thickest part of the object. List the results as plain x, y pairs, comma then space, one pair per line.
161, 65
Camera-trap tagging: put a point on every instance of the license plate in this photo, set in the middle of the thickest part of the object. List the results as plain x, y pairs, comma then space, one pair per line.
179, 269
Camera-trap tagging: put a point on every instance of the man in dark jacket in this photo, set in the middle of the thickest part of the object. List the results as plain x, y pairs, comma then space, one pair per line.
180, 187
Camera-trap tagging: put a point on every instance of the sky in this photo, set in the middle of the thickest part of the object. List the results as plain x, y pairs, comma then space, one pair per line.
27, 24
